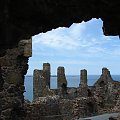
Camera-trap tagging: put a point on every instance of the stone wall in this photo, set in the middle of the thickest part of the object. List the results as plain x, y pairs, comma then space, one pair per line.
75, 102
55, 108
45, 108
84, 106
13, 68
106, 91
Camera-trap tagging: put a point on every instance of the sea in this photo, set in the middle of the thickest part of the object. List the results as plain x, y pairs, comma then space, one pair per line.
72, 81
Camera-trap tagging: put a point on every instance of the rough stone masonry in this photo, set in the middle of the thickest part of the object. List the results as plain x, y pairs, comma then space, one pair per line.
83, 87
41, 82
61, 78
13, 68
46, 68
70, 102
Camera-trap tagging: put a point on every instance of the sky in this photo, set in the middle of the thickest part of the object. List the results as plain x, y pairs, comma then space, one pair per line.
81, 46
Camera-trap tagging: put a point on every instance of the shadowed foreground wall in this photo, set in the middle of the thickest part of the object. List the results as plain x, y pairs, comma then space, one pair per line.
13, 68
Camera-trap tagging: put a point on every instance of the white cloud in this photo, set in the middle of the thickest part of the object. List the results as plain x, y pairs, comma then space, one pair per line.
66, 38
76, 30
57, 41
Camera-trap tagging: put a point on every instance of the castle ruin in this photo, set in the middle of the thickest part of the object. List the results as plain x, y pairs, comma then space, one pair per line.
41, 82
70, 102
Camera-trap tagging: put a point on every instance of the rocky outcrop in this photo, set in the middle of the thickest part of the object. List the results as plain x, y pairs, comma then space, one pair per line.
13, 68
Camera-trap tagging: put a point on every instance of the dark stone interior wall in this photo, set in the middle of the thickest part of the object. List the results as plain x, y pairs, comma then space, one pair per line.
13, 68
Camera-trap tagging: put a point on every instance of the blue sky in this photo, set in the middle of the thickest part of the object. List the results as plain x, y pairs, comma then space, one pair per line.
81, 46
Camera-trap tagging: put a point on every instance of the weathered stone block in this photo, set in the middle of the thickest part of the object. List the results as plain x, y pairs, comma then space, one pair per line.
25, 47
14, 78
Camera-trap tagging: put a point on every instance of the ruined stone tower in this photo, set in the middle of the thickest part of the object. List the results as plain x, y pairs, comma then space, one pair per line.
105, 71
61, 79
46, 68
61, 82
83, 83
37, 83
83, 78
41, 81
104, 79
106, 74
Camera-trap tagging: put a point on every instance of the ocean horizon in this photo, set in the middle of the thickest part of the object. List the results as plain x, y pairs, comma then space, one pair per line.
72, 81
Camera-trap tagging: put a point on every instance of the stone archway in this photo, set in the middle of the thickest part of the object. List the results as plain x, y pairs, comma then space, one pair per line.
22, 19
